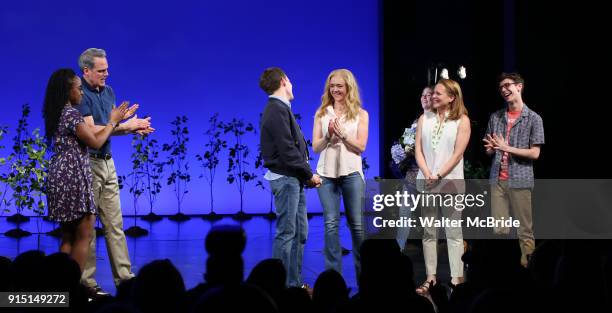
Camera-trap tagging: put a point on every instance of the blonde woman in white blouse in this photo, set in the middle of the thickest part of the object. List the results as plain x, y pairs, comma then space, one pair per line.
441, 139
340, 135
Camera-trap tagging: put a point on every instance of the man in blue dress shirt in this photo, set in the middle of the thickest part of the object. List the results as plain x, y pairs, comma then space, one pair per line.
98, 100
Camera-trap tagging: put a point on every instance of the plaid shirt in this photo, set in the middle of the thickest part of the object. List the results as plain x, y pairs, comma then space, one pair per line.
528, 130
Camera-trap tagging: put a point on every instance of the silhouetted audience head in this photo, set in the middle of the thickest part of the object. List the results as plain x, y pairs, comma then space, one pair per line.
60, 272
125, 290
581, 264
159, 287
380, 260
5, 266
270, 276
494, 263
295, 300
235, 298
386, 282
225, 240
224, 245
26, 270
224, 270
330, 292
544, 262
499, 301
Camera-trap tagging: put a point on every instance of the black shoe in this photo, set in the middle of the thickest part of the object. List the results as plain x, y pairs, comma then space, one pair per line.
96, 292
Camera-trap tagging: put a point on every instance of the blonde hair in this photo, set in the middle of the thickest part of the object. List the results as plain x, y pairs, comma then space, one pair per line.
353, 100
457, 107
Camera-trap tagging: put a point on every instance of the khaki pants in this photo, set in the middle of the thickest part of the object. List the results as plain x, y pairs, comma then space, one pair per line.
506, 201
454, 241
106, 197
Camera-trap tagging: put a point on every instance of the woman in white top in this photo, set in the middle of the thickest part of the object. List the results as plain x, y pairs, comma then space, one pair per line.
340, 135
441, 138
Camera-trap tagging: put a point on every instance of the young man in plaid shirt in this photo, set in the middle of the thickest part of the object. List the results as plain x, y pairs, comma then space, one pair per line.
514, 137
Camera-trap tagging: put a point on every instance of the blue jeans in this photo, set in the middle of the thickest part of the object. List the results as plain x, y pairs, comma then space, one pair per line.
405, 211
352, 188
291, 226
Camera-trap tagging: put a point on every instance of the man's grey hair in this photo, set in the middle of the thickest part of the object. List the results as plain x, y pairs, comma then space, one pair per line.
86, 60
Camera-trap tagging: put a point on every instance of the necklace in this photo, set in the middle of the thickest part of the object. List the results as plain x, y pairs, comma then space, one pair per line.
438, 131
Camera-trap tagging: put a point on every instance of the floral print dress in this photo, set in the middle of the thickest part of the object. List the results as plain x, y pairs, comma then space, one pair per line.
69, 183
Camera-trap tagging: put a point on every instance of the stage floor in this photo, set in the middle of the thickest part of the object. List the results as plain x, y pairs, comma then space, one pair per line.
183, 244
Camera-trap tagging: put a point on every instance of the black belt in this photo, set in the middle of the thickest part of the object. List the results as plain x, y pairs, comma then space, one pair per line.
103, 156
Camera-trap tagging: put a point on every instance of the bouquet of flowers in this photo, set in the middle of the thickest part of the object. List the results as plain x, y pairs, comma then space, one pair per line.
408, 138
405, 147
402, 152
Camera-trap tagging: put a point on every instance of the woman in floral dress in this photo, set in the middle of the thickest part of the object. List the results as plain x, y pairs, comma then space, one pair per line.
69, 183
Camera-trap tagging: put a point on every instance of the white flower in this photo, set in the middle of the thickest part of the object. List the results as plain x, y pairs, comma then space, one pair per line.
461, 72
409, 140
444, 73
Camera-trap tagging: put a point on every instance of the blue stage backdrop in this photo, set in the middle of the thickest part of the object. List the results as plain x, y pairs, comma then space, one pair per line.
194, 59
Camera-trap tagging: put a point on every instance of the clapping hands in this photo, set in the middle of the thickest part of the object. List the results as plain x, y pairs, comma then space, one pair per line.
130, 111
495, 142
118, 113
141, 126
335, 127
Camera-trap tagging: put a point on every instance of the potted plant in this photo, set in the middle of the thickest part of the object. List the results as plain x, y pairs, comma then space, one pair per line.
3, 208
153, 172
179, 166
136, 182
209, 160
26, 176
238, 160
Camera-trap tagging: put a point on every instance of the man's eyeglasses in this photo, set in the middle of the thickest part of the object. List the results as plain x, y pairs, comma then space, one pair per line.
506, 86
